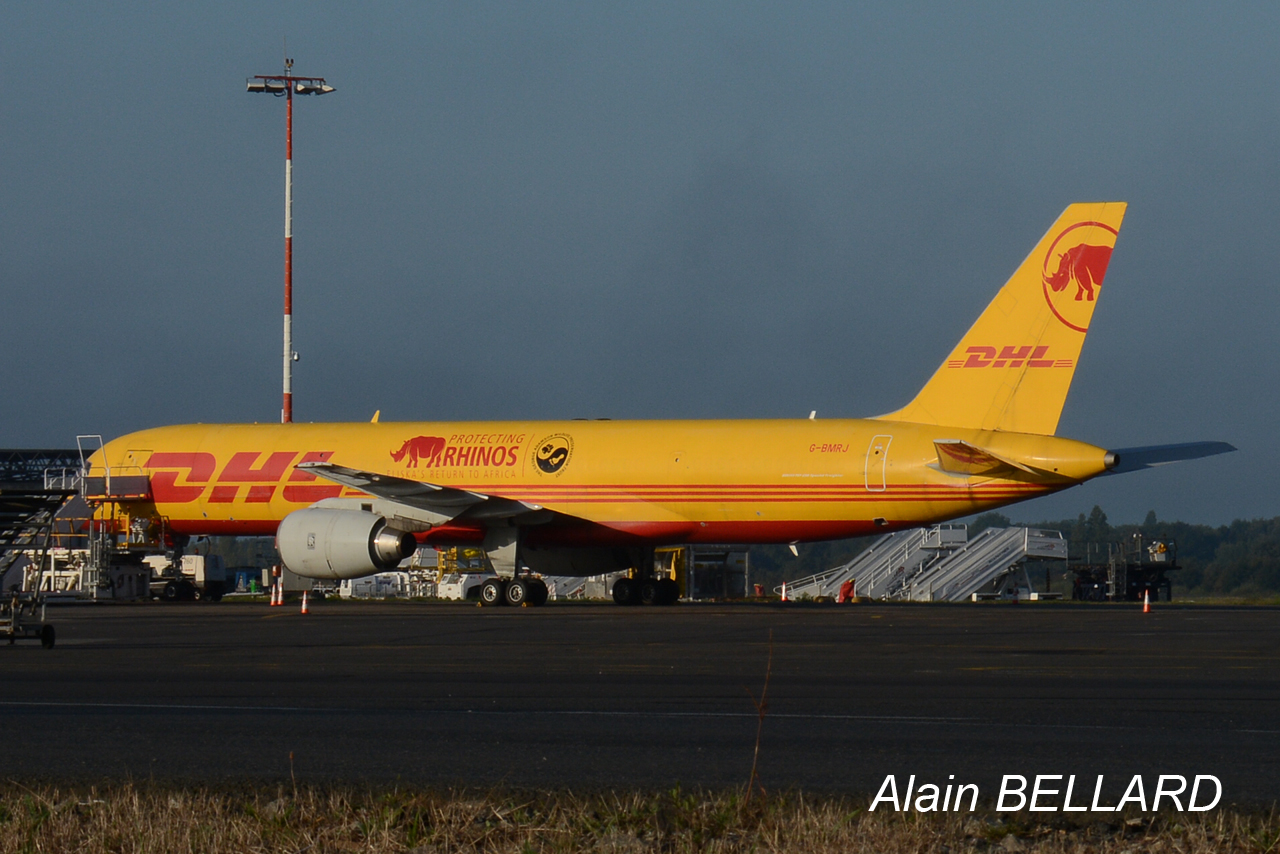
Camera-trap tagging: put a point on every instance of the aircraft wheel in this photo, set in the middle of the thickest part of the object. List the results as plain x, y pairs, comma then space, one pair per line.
491, 592
537, 592
650, 592
669, 590
517, 592
626, 591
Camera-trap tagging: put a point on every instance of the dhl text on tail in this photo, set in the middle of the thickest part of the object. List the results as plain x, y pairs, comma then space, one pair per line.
586, 497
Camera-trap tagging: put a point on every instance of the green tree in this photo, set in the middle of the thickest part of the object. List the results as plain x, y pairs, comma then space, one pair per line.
988, 520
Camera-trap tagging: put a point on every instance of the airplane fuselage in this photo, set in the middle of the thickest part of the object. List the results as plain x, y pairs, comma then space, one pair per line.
759, 481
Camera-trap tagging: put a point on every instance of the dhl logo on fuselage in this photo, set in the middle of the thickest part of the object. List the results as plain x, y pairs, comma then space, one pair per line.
240, 471
255, 481
1009, 356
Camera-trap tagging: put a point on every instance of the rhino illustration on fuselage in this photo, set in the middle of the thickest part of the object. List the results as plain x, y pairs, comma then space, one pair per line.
424, 448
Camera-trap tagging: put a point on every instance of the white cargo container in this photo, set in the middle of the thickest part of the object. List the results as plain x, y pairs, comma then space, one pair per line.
384, 585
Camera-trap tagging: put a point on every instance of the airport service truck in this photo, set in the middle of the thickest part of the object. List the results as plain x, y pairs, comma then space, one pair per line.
191, 577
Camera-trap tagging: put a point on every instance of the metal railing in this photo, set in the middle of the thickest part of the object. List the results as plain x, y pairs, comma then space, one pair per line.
938, 564
65, 480
885, 565
991, 554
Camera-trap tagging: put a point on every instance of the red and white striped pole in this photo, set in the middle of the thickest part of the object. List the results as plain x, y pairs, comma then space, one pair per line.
288, 86
286, 412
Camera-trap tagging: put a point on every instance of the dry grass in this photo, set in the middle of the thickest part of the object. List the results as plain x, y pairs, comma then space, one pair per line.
130, 818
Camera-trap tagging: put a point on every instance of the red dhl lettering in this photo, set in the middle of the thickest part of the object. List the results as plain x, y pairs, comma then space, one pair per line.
263, 476
1011, 356
297, 494
241, 470
164, 488
221, 494
302, 487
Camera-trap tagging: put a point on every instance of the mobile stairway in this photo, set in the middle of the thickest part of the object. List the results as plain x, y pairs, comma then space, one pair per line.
938, 564
988, 556
885, 565
27, 513
30, 497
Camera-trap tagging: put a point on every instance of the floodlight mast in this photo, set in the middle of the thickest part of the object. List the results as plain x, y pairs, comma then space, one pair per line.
288, 85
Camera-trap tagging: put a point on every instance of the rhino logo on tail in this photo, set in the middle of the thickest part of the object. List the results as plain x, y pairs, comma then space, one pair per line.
424, 448
1078, 256
1085, 265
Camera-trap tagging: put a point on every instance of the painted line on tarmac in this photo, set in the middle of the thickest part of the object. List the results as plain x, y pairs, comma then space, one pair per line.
195, 707
164, 706
583, 713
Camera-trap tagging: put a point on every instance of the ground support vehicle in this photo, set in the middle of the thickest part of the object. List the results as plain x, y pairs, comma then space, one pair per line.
1126, 571
190, 578
22, 617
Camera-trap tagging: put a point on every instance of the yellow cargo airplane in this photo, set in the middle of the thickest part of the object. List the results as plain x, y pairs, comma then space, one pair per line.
587, 497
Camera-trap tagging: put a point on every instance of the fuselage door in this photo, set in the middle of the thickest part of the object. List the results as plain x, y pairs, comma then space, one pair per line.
877, 461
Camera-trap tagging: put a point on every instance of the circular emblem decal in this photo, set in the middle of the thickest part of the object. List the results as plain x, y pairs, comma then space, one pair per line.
1073, 270
551, 454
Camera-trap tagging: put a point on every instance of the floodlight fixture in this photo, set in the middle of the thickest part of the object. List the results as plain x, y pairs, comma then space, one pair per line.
312, 87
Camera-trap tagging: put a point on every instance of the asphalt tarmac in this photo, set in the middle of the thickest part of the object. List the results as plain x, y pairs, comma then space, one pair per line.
592, 696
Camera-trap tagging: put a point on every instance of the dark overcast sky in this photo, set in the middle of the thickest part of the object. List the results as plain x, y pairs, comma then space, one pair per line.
638, 211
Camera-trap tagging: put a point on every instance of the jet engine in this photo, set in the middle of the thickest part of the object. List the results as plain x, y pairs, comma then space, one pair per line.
323, 543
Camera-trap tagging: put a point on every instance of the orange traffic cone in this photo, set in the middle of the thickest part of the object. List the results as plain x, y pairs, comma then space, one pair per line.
305, 609
1146, 602
277, 594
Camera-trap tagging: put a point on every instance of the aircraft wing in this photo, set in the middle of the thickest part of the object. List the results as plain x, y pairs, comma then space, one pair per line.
447, 501
1136, 459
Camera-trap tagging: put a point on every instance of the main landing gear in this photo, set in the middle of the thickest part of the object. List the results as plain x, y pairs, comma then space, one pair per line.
523, 590
646, 591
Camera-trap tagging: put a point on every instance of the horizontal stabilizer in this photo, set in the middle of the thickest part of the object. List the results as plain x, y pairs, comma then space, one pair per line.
1136, 459
961, 458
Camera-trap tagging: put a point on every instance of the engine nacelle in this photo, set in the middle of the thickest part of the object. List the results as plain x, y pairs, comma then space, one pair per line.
322, 543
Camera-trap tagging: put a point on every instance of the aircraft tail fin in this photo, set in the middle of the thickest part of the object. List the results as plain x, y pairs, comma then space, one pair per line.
1013, 368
